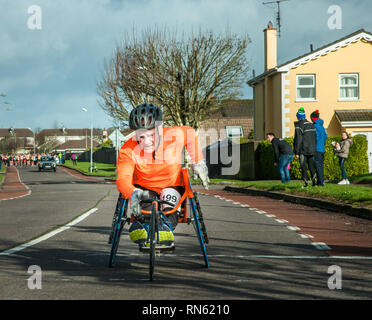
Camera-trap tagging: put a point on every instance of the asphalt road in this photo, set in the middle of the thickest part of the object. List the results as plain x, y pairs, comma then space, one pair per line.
252, 256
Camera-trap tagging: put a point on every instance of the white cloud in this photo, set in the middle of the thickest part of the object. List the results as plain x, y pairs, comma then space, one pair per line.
59, 66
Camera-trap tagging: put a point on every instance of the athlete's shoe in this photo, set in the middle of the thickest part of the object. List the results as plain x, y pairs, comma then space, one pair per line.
138, 233
166, 237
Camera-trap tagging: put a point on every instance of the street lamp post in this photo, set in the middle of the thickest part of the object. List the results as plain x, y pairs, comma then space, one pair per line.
91, 140
34, 139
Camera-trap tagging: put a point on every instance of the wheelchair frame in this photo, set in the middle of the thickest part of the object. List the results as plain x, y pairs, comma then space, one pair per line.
121, 217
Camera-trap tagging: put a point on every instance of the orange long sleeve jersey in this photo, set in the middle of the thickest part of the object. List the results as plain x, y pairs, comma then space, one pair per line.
162, 168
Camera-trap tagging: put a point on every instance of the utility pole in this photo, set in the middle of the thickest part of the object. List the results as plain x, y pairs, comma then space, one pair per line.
278, 13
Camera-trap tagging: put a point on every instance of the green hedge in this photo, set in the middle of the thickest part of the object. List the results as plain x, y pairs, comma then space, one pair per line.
356, 163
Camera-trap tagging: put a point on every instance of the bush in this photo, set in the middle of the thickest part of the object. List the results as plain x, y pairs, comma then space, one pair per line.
265, 163
356, 163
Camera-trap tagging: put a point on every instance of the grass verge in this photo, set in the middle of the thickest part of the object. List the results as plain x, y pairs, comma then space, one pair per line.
2, 173
104, 169
348, 194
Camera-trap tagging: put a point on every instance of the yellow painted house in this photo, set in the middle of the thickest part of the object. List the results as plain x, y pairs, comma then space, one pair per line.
336, 79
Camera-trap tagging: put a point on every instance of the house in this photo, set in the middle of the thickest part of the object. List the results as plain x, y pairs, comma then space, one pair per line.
336, 79
233, 119
119, 137
75, 146
50, 139
24, 137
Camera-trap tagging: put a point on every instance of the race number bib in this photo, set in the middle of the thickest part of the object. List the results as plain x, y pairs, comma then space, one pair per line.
171, 195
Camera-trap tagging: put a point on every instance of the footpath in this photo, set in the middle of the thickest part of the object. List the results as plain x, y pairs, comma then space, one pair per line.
11, 186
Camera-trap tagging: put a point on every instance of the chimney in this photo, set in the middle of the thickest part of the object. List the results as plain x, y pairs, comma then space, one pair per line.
270, 46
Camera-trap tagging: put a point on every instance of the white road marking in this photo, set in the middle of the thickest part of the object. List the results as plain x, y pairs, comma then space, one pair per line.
293, 228
270, 215
258, 211
47, 235
321, 246
306, 236
281, 221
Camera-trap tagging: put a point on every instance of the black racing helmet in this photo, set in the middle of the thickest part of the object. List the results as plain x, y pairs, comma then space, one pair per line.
144, 116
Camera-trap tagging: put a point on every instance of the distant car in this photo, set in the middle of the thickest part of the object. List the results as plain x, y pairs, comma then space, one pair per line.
47, 162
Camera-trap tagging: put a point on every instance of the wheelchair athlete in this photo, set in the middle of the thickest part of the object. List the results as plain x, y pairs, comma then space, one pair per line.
150, 164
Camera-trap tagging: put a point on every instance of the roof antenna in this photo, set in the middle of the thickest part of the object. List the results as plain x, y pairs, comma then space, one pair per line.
278, 13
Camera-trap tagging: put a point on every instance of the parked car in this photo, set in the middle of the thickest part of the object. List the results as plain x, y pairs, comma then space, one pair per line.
47, 162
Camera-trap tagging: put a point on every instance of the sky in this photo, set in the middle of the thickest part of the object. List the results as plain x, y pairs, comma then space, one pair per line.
51, 59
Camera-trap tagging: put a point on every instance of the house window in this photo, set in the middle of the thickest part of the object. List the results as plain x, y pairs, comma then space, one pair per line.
306, 87
349, 86
234, 131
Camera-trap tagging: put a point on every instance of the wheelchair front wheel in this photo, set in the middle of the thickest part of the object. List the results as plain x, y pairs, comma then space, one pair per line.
119, 225
152, 239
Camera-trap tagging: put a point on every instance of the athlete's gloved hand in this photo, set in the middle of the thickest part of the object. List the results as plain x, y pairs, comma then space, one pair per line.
135, 199
201, 169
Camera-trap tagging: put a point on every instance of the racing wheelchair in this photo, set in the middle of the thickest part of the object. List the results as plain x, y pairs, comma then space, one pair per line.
121, 217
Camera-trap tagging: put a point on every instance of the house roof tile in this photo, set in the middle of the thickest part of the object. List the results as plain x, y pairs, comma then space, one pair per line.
70, 132
76, 144
19, 132
354, 115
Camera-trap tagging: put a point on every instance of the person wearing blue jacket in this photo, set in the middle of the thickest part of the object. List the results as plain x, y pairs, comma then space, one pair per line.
321, 137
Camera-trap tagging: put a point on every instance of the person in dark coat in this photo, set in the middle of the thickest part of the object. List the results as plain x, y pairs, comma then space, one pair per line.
283, 155
321, 137
304, 144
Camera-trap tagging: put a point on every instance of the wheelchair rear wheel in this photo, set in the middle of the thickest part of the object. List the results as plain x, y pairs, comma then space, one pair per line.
118, 224
201, 219
197, 227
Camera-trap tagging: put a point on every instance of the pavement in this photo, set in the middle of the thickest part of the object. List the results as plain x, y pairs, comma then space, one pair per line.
12, 187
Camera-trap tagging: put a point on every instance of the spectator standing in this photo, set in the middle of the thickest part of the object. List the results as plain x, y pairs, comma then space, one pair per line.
283, 155
1, 161
321, 137
73, 157
305, 146
343, 153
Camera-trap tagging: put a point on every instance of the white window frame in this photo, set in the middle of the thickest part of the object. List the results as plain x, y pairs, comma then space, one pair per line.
240, 128
306, 86
348, 86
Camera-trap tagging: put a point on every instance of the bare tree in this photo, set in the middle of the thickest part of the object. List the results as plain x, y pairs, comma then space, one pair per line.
187, 75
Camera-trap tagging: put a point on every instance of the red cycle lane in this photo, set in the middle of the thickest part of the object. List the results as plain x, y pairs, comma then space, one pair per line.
345, 235
12, 186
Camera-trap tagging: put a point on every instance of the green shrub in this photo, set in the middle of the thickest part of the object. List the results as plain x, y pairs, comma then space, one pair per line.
265, 163
356, 163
